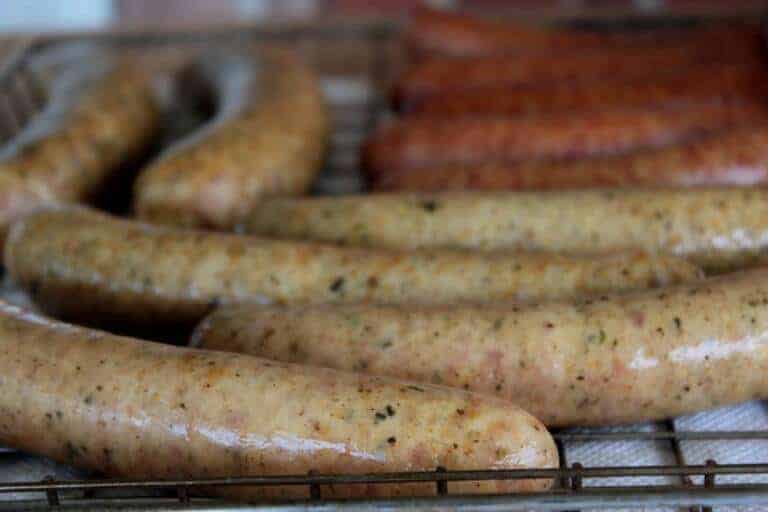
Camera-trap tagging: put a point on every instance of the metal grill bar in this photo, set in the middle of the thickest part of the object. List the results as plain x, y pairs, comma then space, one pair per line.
719, 435
400, 477
604, 498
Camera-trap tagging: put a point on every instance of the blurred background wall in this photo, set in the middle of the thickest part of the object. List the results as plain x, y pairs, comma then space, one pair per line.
62, 15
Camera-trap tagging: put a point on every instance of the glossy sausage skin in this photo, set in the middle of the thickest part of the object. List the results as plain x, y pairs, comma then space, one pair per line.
111, 120
131, 408
735, 157
270, 141
715, 227
444, 75
124, 271
426, 143
616, 359
707, 83
441, 32
438, 32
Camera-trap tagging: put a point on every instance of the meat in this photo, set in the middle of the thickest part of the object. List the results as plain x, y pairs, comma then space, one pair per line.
97, 117
704, 84
436, 32
445, 75
432, 144
738, 156
131, 408
127, 272
615, 359
268, 139
717, 227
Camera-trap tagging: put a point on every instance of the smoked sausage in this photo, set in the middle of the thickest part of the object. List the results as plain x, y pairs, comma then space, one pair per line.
717, 227
642, 356
136, 409
268, 138
124, 271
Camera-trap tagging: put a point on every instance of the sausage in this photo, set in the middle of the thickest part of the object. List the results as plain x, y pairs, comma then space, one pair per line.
448, 33
717, 227
267, 139
430, 143
707, 83
618, 359
735, 157
97, 116
444, 74
124, 271
132, 408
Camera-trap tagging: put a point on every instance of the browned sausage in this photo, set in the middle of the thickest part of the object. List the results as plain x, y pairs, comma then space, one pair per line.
449, 33
268, 139
737, 157
132, 408
647, 355
443, 75
702, 84
718, 227
128, 272
432, 142
101, 116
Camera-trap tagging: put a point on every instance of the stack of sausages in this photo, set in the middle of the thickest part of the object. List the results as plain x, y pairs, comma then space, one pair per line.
495, 106
407, 331
129, 407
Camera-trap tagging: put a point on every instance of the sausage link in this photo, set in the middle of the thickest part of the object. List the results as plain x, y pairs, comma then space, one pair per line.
432, 142
268, 139
444, 75
715, 227
131, 408
617, 359
124, 271
439, 32
707, 83
735, 157
108, 119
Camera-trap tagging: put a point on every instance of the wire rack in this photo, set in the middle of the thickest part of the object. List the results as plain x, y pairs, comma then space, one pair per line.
709, 461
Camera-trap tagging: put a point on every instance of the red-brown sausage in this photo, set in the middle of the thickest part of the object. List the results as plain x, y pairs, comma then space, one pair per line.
444, 75
702, 84
449, 33
737, 157
131, 408
431, 142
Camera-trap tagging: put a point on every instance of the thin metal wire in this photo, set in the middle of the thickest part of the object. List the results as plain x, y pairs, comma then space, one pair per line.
594, 497
724, 435
677, 450
575, 472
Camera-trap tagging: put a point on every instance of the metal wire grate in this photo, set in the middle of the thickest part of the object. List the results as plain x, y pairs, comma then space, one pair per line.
710, 461
21, 93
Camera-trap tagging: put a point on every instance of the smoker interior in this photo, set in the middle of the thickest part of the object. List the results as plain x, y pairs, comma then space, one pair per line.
708, 461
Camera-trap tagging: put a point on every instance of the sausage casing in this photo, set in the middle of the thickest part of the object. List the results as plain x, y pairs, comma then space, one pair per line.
616, 359
131, 408
707, 83
715, 227
738, 156
269, 140
467, 141
102, 115
125, 271
438, 32
444, 75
